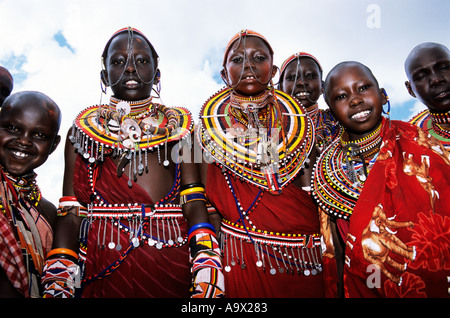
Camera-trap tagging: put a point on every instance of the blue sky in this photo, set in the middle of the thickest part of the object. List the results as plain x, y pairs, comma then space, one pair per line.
54, 46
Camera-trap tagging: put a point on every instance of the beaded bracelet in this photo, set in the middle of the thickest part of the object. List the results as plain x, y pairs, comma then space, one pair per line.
197, 196
191, 185
69, 200
66, 203
192, 190
62, 252
201, 225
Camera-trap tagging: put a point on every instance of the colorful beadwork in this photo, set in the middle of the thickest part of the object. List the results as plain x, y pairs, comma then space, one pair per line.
130, 128
268, 158
337, 179
431, 123
326, 127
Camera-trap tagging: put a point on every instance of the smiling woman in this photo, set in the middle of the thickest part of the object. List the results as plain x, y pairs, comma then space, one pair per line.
114, 166
27, 133
29, 125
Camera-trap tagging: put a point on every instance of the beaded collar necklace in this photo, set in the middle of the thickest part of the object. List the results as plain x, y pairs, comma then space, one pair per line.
440, 118
26, 186
268, 156
363, 146
340, 173
325, 126
432, 123
129, 130
252, 112
134, 109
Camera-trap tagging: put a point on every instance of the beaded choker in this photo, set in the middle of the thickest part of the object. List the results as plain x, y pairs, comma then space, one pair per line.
251, 103
128, 130
338, 179
252, 112
134, 109
365, 146
268, 156
26, 186
440, 118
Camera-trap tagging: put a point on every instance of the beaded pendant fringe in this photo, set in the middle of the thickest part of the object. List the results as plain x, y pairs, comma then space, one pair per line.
299, 254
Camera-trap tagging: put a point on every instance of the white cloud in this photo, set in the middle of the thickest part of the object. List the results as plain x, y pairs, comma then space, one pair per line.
190, 37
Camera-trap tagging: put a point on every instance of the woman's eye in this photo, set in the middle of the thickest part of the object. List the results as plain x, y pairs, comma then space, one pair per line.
13, 128
290, 78
340, 97
142, 61
363, 88
237, 59
118, 62
419, 76
260, 58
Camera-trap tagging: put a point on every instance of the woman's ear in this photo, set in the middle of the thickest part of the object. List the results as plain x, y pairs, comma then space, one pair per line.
157, 77
409, 88
104, 77
384, 96
55, 143
274, 70
224, 76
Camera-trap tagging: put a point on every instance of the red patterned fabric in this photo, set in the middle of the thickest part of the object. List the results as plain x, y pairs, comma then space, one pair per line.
290, 212
146, 271
24, 242
401, 222
11, 258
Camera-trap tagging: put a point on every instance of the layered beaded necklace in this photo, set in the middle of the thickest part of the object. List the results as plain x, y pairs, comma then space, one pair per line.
341, 171
26, 186
263, 140
438, 119
129, 130
326, 127
432, 123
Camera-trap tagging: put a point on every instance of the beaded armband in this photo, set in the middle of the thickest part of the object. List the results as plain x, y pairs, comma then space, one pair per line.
206, 260
69, 204
60, 273
192, 192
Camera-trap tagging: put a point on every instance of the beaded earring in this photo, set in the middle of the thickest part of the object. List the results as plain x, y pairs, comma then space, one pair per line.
157, 84
388, 112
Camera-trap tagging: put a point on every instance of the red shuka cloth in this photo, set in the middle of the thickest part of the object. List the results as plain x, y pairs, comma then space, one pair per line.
293, 211
146, 271
393, 191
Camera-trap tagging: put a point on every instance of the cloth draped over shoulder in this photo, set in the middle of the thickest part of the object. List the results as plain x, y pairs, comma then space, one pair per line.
398, 240
25, 238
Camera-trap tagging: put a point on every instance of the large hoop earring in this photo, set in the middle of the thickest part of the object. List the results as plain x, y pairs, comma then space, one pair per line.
224, 79
103, 86
388, 112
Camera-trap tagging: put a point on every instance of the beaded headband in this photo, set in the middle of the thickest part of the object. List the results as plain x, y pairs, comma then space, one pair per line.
295, 56
132, 30
241, 34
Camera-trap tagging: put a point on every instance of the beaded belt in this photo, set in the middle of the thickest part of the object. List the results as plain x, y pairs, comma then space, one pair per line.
155, 225
287, 252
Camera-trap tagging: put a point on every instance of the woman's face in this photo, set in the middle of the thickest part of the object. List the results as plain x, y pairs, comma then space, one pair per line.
249, 66
28, 135
303, 80
130, 73
356, 100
